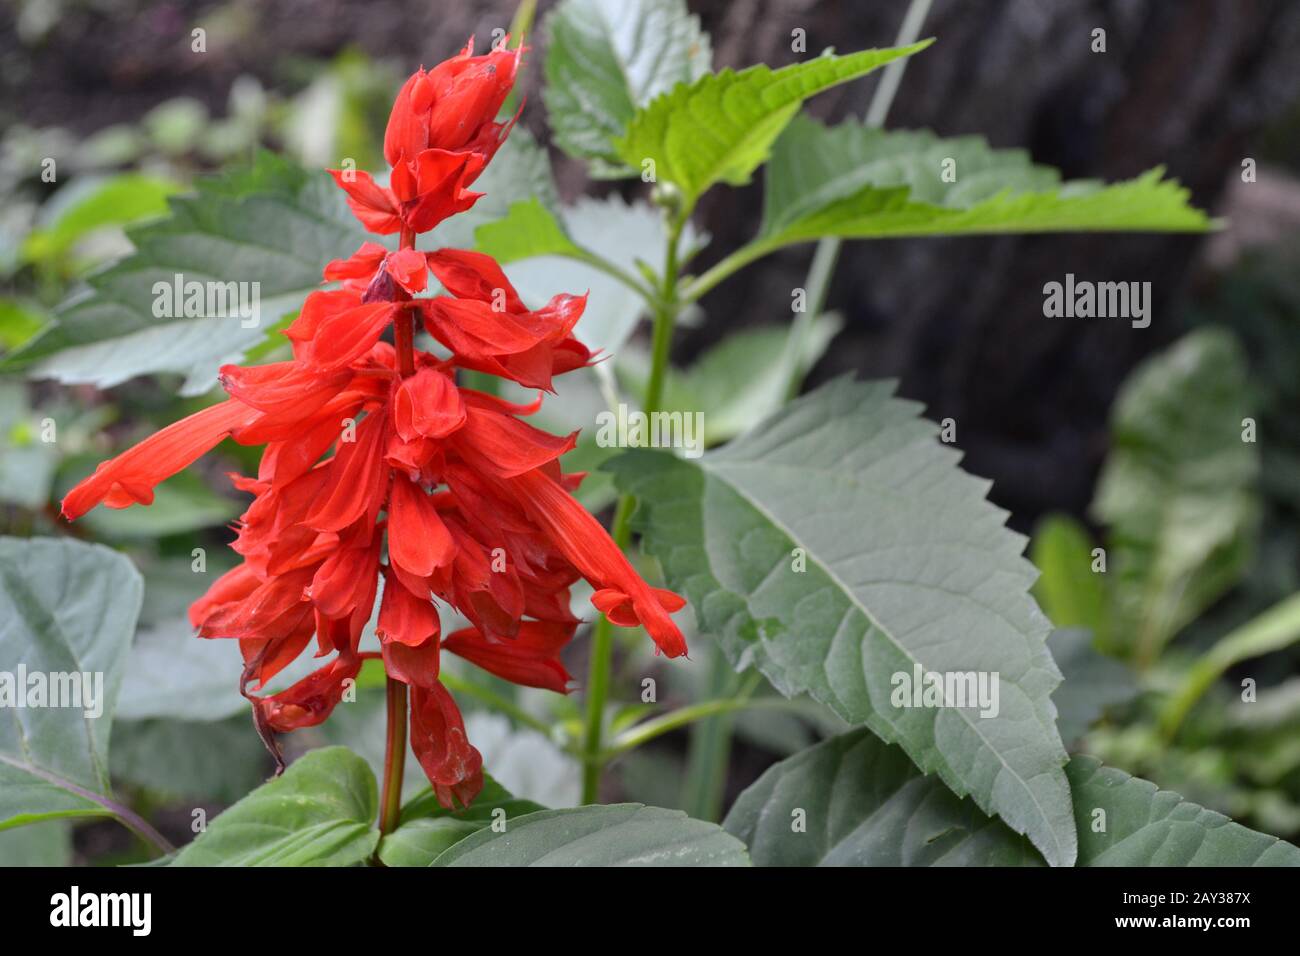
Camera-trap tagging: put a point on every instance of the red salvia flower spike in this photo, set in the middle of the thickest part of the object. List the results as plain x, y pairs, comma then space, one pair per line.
470, 500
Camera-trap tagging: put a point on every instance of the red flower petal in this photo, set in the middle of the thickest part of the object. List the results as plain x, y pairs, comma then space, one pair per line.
474, 275
453, 766
531, 658
427, 404
582, 540
130, 477
374, 206
418, 540
357, 478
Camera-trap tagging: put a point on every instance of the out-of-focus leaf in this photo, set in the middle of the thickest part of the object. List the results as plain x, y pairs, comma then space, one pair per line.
622, 834
26, 462
115, 202
607, 58
838, 545
18, 323
741, 380
1068, 590
182, 503
272, 224
42, 844
1275, 629
1177, 491
321, 812
220, 760
65, 608
1093, 682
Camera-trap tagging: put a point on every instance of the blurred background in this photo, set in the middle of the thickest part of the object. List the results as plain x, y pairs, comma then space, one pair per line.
1046, 409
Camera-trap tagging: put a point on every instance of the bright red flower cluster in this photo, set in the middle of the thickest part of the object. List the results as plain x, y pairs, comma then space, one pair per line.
440, 490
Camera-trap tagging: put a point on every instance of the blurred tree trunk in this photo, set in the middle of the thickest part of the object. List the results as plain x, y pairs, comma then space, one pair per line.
1186, 85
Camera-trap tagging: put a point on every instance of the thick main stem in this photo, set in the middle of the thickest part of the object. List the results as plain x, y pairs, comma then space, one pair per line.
602, 639
395, 739
394, 757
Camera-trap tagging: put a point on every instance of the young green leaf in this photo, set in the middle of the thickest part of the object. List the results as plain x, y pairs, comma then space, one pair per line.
65, 608
1177, 491
1092, 683
321, 812
854, 801
607, 58
1069, 591
621, 834
1274, 630
721, 127
838, 548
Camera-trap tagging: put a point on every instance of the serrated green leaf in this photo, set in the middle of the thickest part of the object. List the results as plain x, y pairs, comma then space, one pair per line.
65, 607
321, 812
864, 804
858, 182
273, 224
907, 565
607, 58
1070, 593
721, 127
1177, 492
426, 829
621, 834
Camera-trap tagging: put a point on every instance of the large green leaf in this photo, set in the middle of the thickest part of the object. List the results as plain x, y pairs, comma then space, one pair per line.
607, 58
907, 566
65, 607
859, 182
1177, 491
621, 834
854, 801
274, 224
426, 828
321, 812
721, 127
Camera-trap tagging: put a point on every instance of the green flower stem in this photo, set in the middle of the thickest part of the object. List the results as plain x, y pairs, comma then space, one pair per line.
648, 730
665, 306
602, 655
394, 758
601, 264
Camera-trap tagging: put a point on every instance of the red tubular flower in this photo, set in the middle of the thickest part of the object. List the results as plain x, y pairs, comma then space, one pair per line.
379, 465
